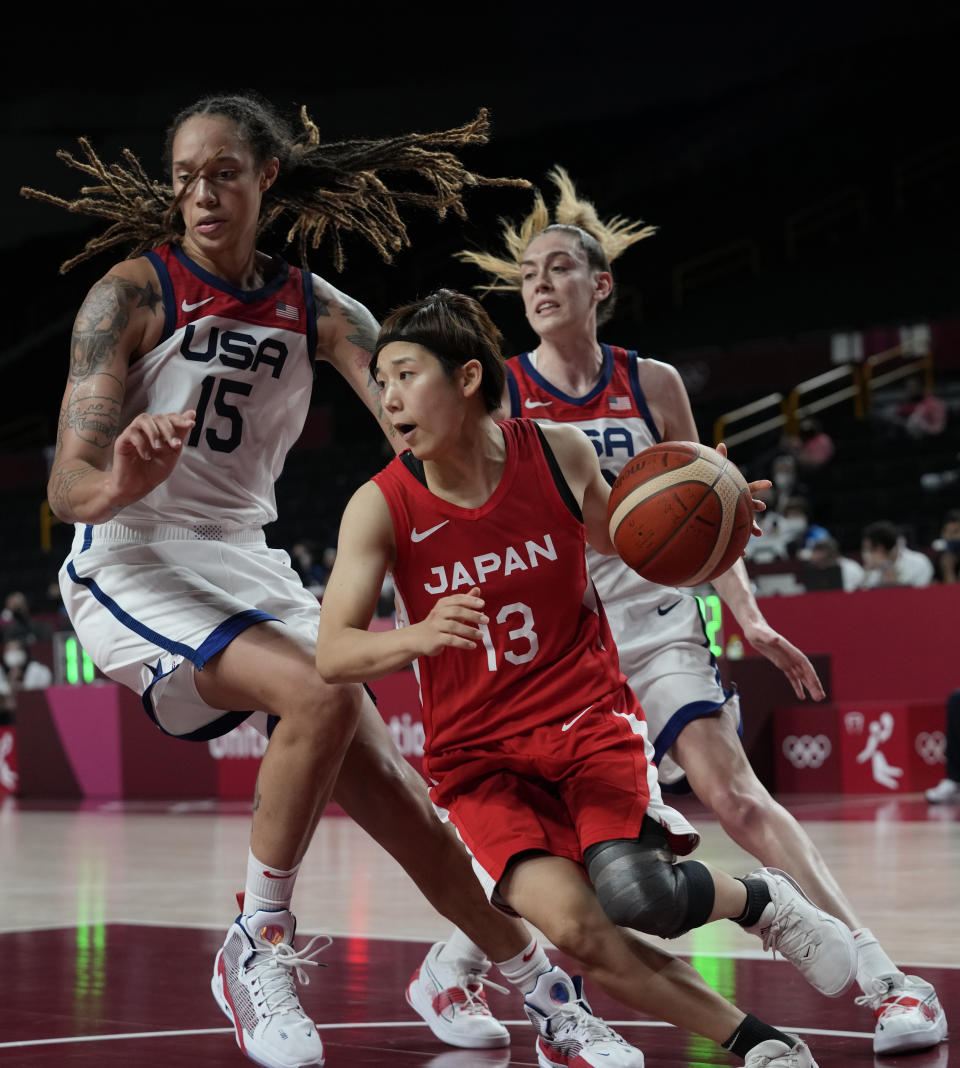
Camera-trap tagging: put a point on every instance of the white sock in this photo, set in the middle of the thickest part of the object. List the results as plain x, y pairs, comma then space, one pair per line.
523, 969
872, 962
267, 887
459, 948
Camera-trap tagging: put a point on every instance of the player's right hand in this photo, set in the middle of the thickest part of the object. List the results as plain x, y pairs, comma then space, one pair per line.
146, 452
453, 622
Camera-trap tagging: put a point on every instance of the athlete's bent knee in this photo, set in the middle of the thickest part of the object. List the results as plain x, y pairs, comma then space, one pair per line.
640, 886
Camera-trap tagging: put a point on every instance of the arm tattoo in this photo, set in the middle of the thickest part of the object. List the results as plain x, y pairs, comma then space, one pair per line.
365, 328
92, 411
101, 320
62, 482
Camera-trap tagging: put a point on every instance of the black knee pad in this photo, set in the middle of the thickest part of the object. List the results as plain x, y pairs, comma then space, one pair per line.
640, 885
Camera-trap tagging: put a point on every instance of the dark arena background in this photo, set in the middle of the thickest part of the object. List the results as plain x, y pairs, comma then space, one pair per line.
802, 168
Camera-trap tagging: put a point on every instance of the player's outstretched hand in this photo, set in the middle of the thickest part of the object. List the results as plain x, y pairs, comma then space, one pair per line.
453, 622
794, 664
755, 487
146, 452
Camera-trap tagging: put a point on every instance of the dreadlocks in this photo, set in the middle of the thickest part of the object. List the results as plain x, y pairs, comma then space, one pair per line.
322, 191
601, 241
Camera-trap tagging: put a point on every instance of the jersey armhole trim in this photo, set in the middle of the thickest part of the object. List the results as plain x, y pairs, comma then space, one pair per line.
566, 494
166, 289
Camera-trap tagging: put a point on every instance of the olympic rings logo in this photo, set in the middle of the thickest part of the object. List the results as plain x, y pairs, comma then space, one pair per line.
932, 747
807, 751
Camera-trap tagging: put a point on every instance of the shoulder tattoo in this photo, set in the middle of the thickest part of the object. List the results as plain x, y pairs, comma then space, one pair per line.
102, 318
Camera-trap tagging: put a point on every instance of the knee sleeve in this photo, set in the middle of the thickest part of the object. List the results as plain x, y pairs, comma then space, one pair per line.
639, 884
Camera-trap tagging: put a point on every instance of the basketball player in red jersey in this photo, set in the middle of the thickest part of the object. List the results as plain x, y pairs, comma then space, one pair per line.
535, 746
625, 403
190, 377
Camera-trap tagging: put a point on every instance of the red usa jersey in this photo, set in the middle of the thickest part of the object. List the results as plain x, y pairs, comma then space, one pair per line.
244, 361
546, 652
616, 418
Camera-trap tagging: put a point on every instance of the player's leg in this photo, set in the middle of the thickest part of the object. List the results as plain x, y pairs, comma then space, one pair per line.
717, 769
552, 893
268, 669
385, 795
907, 1012
640, 885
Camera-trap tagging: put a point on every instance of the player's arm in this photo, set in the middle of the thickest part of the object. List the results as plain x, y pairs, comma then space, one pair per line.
346, 335
347, 651
674, 416
578, 461
99, 466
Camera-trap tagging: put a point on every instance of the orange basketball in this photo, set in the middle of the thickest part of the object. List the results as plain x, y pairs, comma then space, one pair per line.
680, 513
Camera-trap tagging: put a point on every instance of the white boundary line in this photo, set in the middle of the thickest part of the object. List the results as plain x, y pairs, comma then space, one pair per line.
366, 1025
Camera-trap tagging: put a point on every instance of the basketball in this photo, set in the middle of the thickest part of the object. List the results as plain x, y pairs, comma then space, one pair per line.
680, 513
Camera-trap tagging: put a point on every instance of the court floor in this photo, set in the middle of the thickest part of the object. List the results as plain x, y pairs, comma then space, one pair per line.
111, 914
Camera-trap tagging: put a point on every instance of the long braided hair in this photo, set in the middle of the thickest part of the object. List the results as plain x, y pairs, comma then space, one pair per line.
323, 191
602, 241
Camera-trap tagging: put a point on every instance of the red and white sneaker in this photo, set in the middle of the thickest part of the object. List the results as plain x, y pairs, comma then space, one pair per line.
570, 1036
908, 1015
253, 983
450, 998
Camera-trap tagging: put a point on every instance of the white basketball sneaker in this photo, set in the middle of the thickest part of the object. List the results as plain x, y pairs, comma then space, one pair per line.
945, 790
253, 983
908, 1015
451, 1000
775, 1054
813, 941
570, 1036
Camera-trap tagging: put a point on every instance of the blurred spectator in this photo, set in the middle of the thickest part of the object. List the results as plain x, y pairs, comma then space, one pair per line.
303, 557
947, 547
20, 672
827, 569
888, 562
922, 414
783, 475
16, 620
948, 789
813, 447
798, 530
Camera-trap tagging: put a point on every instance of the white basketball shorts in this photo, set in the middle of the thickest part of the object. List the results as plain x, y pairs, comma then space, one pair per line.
149, 605
666, 658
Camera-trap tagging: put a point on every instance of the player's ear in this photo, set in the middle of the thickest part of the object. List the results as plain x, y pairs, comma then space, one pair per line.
603, 284
471, 375
269, 173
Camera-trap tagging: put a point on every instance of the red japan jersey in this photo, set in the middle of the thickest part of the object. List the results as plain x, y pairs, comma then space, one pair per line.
547, 652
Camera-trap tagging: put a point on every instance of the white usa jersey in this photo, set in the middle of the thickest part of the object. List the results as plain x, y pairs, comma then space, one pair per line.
244, 361
659, 630
616, 418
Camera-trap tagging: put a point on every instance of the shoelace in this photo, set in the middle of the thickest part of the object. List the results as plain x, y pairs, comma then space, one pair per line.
275, 970
589, 1028
786, 934
882, 989
475, 1001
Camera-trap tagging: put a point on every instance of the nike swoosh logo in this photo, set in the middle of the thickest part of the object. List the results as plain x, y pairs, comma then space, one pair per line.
529, 956
528, 403
419, 535
270, 875
567, 726
669, 608
193, 307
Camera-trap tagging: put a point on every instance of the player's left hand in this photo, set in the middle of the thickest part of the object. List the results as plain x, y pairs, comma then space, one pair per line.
788, 658
755, 487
